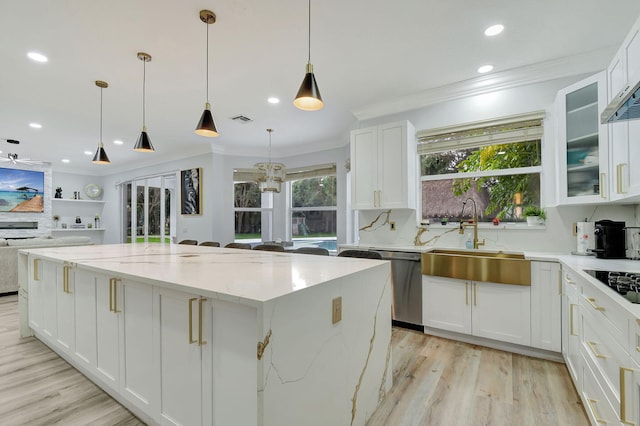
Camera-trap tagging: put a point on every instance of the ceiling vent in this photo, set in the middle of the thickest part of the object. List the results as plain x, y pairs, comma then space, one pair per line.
242, 119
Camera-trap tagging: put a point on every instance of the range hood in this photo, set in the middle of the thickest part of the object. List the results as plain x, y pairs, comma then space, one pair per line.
626, 104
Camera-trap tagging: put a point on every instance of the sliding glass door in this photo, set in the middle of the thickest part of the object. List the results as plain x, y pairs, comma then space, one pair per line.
150, 207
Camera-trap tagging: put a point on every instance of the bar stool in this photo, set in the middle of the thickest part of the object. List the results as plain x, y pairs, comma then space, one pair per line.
363, 254
312, 250
189, 242
269, 247
210, 243
244, 246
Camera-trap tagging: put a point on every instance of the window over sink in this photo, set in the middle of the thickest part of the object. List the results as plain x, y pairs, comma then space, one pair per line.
497, 163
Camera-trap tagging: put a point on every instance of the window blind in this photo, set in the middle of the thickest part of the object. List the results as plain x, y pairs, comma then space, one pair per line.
296, 173
518, 128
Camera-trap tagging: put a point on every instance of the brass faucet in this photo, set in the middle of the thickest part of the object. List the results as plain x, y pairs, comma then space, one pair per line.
476, 242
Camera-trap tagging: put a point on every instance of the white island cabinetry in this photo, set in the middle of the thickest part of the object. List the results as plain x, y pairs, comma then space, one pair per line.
184, 335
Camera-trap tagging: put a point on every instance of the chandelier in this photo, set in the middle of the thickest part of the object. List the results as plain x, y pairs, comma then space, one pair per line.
269, 176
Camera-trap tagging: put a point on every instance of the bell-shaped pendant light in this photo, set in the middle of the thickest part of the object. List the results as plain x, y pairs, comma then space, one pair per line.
144, 143
101, 155
269, 176
206, 126
308, 97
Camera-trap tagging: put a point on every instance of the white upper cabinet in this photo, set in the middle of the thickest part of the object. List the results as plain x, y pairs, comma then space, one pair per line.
583, 175
624, 135
383, 165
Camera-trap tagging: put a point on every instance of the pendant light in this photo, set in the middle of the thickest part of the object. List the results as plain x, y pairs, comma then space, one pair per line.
101, 155
144, 143
308, 97
206, 126
269, 176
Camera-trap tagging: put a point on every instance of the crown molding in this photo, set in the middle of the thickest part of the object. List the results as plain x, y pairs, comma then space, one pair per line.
568, 66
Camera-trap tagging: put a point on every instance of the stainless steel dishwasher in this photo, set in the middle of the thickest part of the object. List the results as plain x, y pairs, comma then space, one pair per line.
406, 279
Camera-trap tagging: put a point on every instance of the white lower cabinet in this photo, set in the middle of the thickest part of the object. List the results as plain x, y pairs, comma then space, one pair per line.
546, 301
65, 306
85, 317
50, 298
495, 311
185, 341
138, 378
35, 285
571, 327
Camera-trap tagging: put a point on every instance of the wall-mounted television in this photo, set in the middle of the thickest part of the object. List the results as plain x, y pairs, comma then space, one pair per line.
21, 191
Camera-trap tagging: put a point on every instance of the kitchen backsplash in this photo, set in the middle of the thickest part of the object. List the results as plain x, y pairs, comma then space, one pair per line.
555, 236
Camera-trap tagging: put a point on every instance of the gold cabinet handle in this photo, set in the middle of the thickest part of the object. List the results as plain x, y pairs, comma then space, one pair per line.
569, 280
110, 294
113, 295
65, 279
466, 293
36, 272
623, 396
191, 340
619, 186
602, 193
475, 294
200, 341
560, 282
592, 405
592, 302
597, 354
571, 306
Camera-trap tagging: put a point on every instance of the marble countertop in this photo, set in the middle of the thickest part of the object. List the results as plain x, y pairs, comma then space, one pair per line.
247, 276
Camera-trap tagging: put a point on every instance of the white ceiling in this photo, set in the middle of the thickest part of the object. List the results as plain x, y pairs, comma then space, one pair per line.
368, 55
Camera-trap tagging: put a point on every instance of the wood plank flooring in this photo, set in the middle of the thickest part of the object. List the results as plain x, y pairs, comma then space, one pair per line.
436, 382
443, 382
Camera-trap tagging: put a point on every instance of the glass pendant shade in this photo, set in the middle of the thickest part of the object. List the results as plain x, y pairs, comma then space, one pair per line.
206, 126
270, 176
101, 156
144, 142
308, 97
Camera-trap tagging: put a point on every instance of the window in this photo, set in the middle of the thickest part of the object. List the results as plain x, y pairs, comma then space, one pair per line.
314, 212
497, 164
253, 212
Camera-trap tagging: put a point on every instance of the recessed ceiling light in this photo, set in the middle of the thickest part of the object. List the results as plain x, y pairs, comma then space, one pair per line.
273, 100
35, 125
485, 68
494, 30
118, 142
88, 153
38, 57
65, 160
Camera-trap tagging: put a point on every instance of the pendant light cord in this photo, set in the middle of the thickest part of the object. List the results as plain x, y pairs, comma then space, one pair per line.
101, 115
269, 145
207, 79
144, 85
309, 38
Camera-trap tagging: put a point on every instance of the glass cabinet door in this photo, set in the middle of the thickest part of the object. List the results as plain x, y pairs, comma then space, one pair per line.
585, 149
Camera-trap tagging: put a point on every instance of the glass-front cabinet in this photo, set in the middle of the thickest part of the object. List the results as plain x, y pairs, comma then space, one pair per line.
582, 141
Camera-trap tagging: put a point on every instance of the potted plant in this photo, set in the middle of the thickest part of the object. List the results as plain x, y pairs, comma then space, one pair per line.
535, 215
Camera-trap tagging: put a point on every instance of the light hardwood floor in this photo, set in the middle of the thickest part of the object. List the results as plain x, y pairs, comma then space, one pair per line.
436, 382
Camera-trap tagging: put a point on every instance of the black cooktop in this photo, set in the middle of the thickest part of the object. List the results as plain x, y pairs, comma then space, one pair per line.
627, 284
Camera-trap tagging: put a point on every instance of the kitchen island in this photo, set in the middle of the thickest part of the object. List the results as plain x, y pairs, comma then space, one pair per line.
200, 335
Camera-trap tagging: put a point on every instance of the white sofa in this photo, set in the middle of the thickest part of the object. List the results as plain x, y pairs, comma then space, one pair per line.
9, 255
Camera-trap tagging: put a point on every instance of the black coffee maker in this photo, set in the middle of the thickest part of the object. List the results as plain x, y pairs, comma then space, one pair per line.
610, 239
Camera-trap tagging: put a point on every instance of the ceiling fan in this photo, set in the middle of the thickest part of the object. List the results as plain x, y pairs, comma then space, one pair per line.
14, 157
15, 160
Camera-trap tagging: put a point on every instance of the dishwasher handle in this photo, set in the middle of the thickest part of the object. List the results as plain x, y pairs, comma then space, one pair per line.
399, 255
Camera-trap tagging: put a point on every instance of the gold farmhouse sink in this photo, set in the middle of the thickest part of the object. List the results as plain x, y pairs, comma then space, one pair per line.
477, 265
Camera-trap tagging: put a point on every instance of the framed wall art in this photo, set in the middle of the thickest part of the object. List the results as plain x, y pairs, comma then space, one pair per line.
191, 191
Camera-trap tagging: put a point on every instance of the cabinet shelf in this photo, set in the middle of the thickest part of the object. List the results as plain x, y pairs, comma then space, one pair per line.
72, 201
583, 141
583, 168
587, 106
77, 229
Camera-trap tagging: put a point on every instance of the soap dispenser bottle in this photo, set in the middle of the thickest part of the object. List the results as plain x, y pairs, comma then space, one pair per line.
469, 243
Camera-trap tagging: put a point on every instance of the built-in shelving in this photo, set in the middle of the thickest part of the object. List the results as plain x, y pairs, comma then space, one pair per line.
77, 229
